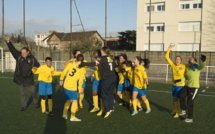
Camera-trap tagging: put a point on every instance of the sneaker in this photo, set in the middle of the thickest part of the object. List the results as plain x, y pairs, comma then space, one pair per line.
23, 109
148, 111
134, 113
188, 120
100, 113
108, 114
75, 119
51, 113
94, 110
64, 117
183, 112
176, 115
121, 102
45, 112
140, 109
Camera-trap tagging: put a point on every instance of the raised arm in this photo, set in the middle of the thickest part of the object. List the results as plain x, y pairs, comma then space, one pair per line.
203, 58
167, 55
12, 49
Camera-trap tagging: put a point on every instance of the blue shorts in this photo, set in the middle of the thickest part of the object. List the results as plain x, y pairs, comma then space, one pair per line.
142, 92
131, 89
176, 90
84, 84
121, 87
45, 88
97, 85
71, 95
127, 83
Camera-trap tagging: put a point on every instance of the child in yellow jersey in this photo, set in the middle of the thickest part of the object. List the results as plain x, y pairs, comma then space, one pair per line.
75, 74
97, 87
45, 87
140, 84
121, 84
76, 52
129, 69
178, 71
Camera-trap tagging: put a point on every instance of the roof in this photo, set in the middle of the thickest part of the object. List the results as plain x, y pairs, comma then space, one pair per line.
76, 36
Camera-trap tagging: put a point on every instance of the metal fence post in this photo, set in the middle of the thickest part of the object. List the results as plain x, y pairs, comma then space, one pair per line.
167, 72
55, 66
207, 75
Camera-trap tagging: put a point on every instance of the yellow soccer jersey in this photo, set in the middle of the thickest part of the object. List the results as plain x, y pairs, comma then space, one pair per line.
74, 78
45, 73
177, 71
130, 74
96, 74
121, 74
139, 77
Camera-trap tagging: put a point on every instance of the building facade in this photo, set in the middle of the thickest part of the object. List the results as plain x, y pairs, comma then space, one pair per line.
176, 21
39, 39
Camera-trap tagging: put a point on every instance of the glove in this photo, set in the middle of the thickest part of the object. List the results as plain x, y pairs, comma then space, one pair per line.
147, 87
179, 80
92, 78
194, 67
203, 57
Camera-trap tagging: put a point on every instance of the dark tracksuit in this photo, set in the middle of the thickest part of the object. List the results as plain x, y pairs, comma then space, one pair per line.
23, 75
191, 89
106, 66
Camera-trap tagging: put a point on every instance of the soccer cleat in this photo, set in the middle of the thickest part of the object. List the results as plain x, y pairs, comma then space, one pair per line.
45, 112
188, 120
148, 111
81, 107
77, 109
51, 113
121, 103
183, 112
23, 109
100, 113
134, 113
75, 119
176, 115
108, 114
64, 117
140, 109
94, 110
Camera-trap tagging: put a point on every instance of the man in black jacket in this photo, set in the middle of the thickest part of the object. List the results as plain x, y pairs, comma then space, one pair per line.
23, 75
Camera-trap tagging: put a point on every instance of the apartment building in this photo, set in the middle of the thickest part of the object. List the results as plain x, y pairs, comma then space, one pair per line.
176, 21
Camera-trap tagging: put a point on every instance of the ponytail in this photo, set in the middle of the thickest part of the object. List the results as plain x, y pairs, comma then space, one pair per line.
146, 62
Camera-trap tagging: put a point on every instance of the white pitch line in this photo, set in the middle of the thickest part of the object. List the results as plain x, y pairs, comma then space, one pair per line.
168, 92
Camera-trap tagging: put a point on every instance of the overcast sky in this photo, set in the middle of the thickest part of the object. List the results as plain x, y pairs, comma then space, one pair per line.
45, 15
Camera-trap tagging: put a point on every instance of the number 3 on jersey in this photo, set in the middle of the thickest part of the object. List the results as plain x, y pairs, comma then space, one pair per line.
73, 72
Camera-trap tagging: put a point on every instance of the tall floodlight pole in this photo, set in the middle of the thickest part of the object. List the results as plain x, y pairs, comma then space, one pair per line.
150, 9
200, 44
2, 23
24, 18
71, 28
105, 22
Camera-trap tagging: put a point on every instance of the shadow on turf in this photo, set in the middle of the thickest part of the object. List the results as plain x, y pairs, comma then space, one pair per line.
30, 100
56, 124
159, 107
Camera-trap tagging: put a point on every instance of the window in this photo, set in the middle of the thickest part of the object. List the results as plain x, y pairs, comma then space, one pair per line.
152, 28
155, 7
190, 4
154, 47
185, 6
188, 47
159, 27
189, 26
